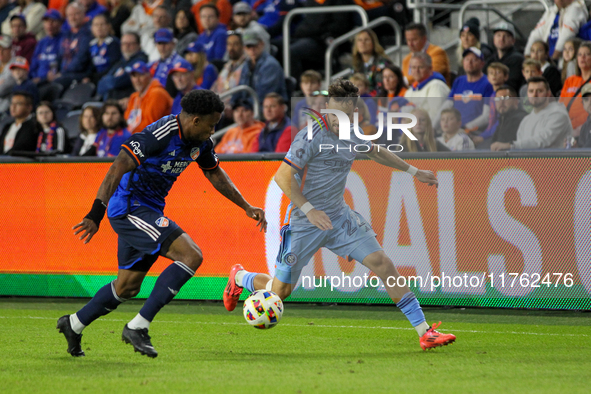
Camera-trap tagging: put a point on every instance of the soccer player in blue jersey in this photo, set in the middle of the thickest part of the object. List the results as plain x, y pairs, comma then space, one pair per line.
319, 216
135, 188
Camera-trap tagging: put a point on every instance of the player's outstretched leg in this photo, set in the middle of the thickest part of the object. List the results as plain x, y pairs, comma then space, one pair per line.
105, 301
240, 279
405, 299
187, 258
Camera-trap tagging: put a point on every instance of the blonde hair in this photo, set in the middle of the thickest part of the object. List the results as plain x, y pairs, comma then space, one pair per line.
499, 66
359, 77
429, 138
531, 62
576, 44
378, 50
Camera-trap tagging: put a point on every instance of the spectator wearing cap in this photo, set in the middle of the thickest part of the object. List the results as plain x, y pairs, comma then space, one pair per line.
105, 49
546, 127
276, 135
584, 140
204, 73
92, 9
243, 18
241, 138
6, 80
46, 58
116, 84
165, 43
429, 89
417, 41
149, 102
182, 76
20, 72
185, 29
213, 37
224, 8
75, 48
23, 43
470, 93
560, 23
33, 12
505, 52
159, 18
5, 7
261, 71
229, 77
470, 37
21, 134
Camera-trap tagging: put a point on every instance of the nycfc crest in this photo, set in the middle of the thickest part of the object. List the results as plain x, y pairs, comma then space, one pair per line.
290, 259
195, 153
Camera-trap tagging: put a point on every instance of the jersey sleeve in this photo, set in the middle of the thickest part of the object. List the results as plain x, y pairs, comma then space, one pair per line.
302, 150
141, 146
207, 159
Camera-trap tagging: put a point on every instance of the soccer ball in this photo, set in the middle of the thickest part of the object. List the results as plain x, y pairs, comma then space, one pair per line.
263, 309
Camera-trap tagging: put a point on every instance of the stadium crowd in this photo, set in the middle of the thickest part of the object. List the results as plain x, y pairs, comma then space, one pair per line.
132, 64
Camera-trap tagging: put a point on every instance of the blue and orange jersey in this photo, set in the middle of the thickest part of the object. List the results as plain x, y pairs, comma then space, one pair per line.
161, 153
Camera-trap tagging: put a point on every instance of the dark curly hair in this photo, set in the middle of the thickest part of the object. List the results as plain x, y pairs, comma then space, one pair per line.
115, 104
202, 102
343, 90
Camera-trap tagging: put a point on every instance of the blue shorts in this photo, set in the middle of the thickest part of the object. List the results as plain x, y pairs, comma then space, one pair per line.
351, 236
144, 235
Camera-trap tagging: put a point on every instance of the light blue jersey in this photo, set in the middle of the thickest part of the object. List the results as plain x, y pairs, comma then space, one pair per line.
323, 164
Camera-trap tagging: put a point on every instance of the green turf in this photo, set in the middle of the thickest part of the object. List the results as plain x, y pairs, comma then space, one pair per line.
315, 349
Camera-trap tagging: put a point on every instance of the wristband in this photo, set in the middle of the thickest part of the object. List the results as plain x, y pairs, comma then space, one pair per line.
307, 207
412, 170
97, 212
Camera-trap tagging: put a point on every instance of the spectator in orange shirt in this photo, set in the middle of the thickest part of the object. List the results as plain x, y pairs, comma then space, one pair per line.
416, 39
570, 95
240, 139
150, 101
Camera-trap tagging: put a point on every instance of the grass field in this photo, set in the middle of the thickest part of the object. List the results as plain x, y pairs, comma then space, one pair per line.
315, 349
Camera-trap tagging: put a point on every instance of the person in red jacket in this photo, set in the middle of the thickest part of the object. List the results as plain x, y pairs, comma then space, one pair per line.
23, 43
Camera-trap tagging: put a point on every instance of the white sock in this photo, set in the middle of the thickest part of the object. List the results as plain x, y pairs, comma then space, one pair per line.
239, 276
77, 327
269, 285
138, 323
422, 328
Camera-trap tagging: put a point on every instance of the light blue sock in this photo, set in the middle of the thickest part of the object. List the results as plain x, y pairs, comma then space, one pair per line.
248, 281
409, 305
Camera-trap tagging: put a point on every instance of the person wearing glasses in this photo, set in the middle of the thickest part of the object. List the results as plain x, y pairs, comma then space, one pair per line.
261, 71
509, 115
546, 127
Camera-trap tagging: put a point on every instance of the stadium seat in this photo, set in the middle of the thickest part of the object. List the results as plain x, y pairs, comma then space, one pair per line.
291, 85
71, 124
77, 95
96, 104
50, 92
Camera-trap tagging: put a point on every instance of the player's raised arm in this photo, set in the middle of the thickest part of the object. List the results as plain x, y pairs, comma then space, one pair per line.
223, 184
90, 224
285, 178
389, 159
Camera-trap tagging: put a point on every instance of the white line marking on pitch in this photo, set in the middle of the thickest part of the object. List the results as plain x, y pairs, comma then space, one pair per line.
318, 325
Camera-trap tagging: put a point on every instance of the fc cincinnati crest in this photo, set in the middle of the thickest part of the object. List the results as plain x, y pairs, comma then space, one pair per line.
162, 222
195, 153
290, 259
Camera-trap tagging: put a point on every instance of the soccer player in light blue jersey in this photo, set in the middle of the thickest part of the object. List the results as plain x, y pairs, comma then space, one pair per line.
314, 179
136, 186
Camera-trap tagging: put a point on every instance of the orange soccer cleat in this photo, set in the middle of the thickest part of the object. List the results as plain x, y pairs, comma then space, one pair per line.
432, 339
232, 291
